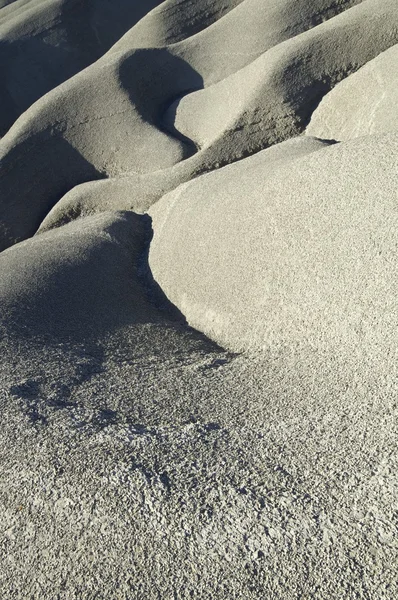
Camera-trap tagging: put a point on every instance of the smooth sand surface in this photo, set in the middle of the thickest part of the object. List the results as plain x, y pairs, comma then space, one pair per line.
363, 104
288, 261
198, 306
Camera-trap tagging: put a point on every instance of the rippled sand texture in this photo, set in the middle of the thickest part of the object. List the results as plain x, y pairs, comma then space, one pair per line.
198, 299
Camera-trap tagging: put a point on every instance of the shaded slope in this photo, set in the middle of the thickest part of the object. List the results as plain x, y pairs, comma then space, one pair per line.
78, 280
176, 20
44, 43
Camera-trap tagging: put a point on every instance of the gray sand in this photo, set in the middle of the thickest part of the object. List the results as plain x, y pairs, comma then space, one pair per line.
362, 104
198, 307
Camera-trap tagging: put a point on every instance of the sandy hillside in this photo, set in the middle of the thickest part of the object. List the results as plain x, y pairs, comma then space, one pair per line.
198, 299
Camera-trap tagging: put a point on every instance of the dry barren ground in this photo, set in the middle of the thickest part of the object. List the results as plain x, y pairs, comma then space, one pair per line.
198, 299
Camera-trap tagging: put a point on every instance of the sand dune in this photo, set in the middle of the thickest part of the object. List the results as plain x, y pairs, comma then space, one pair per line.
139, 192
362, 104
82, 271
292, 258
274, 96
105, 121
96, 124
176, 20
244, 33
44, 42
198, 307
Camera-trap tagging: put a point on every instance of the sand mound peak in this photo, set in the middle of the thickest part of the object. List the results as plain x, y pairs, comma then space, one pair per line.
291, 258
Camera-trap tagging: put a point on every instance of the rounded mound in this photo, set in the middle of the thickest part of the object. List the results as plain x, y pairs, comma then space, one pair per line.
80, 278
268, 257
362, 104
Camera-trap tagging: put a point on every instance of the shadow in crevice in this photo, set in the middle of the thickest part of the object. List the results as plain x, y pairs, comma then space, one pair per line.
155, 294
157, 297
169, 112
163, 79
39, 171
